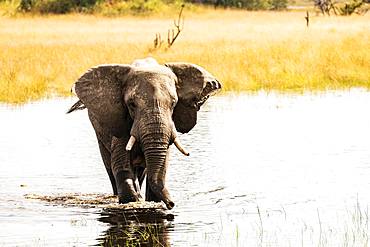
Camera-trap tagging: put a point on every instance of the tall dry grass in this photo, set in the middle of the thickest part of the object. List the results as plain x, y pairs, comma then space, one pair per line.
43, 56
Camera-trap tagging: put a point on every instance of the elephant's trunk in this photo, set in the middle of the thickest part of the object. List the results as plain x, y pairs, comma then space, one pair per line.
155, 138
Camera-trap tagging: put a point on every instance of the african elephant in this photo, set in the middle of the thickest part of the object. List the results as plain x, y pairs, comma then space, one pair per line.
136, 111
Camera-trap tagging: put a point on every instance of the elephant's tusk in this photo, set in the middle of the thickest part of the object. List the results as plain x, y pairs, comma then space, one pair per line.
179, 147
130, 143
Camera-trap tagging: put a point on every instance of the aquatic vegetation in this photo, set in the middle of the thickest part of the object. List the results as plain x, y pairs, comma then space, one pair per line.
136, 234
43, 56
139, 223
350, 227
132, 224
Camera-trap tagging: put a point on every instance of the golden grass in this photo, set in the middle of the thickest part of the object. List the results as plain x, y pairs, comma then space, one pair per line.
43, 56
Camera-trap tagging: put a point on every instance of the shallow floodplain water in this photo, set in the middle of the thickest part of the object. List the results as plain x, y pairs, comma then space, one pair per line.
265, 169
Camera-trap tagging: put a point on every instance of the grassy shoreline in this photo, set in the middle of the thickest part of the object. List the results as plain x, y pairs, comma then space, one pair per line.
247, 51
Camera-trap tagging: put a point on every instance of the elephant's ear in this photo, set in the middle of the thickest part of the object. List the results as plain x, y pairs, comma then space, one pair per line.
194, 86
100, 90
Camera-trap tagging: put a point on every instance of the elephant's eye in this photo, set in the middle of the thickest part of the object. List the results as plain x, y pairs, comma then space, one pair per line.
131, 105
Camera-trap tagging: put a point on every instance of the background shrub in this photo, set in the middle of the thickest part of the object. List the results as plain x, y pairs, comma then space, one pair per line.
279, 4
248, 4
26, 5
57, 6
117, 7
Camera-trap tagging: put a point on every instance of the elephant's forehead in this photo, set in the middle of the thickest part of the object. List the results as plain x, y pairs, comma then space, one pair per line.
152, 77
159, 70
152, 81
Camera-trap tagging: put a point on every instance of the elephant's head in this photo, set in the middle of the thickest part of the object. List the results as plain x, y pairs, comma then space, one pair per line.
147, 103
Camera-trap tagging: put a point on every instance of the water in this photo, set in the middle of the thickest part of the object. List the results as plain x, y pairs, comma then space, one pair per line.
265, 169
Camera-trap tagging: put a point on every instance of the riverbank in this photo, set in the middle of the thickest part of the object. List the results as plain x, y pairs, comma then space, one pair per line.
247, 51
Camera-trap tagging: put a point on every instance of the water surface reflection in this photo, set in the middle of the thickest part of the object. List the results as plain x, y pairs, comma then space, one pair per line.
265, 169
135, 228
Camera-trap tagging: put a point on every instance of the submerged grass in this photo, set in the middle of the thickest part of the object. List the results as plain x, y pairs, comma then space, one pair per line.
43, 56
349, 227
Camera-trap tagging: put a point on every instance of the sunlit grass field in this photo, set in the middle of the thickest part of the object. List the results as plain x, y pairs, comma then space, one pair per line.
248, 51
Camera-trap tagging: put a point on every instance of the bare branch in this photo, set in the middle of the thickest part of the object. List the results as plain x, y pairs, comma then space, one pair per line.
307, 17
171, 35
158, 41
179, 24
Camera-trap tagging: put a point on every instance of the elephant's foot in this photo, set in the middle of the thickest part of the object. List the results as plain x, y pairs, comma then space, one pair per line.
127, 198
128, 193
126, 189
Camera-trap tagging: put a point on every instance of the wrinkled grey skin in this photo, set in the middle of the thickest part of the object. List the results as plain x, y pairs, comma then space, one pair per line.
150, 102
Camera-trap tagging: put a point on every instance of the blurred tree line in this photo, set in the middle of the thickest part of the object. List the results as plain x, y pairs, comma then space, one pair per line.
248, 4
56, 6
326, 7
66, 6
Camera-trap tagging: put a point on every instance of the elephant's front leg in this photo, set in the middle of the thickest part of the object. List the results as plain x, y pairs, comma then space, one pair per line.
122, 171
106, 156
